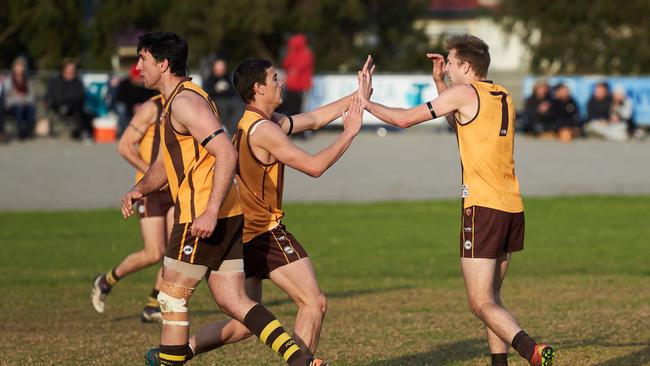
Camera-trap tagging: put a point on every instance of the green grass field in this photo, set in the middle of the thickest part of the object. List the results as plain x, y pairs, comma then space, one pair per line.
390, 271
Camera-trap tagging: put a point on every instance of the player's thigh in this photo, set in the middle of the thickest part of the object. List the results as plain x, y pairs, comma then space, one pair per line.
181, 273
154, 234
298, 280
479, 275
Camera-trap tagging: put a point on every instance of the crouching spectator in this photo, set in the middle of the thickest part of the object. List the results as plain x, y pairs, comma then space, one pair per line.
566, 119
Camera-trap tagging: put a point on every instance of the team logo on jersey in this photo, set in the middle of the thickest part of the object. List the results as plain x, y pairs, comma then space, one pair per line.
468, 244
288, 250
464, 191
187, 250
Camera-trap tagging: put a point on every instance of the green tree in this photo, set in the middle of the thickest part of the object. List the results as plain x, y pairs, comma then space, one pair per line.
44, 30
582, 37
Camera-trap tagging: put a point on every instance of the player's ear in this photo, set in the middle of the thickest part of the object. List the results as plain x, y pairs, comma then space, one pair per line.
466, 67
163, 65
259, 88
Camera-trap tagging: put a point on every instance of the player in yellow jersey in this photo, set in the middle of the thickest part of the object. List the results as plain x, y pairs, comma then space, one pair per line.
139, 146
270, 251
198, 162
483, 116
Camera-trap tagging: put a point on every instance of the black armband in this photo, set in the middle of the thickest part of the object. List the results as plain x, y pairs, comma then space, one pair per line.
433, 113
214, 134
290, 125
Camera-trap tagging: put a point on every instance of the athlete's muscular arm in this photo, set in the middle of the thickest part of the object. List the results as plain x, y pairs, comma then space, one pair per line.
323, 115
194, 114
154, 179
273, 139
127, 147
438, 73
451, 99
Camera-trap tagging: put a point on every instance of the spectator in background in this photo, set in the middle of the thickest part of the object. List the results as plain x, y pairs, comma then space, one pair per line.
599, 117
130, 93
20, 98
65, 102
622, 111
599, 103
220, 89
537, 111
299, 67
564, 112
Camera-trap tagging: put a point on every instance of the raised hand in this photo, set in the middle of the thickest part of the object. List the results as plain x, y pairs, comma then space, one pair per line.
364, 76
353, 117
127, 202
438, 71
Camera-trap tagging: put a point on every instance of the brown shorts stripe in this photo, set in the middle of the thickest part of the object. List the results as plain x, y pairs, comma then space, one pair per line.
180, 247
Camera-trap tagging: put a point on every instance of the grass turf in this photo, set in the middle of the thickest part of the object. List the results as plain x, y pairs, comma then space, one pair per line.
390, 271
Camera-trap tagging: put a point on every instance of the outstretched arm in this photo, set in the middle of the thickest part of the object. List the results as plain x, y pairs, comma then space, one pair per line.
192, 112
273, 139
323, 115
449, 100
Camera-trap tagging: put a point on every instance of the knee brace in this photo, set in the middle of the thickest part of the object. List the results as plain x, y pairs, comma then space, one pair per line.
173, 303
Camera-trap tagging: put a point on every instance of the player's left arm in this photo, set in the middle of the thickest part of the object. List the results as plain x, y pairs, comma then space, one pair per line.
323, 115
449, 100
195, 114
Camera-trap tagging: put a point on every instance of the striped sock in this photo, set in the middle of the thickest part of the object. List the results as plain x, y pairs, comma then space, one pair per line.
152, 301
108, 280
269, 330
173, 355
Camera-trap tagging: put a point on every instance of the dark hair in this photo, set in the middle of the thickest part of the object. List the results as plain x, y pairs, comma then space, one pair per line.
166, 46
248, 73
472, 50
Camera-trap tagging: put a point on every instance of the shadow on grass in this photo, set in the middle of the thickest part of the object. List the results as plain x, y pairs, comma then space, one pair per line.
441, 355
640, 357
284, 301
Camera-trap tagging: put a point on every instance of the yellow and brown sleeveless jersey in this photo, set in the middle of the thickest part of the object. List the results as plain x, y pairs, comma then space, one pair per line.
486, 146
260, 185
148, 146
189, 166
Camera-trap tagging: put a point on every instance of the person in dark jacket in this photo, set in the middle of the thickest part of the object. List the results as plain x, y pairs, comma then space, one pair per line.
220, 89
537, 110
65, 101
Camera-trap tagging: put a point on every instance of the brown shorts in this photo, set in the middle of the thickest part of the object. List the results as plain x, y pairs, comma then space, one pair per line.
488, 233
155, 204
271, 250
224, 243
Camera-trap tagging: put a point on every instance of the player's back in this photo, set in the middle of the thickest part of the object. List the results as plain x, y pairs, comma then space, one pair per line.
260, 184
486, 146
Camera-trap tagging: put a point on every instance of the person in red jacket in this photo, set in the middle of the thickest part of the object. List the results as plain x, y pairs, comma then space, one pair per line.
299, 66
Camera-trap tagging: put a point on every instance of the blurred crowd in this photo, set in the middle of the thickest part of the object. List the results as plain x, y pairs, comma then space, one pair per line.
64, 107
552, 113
61, 108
